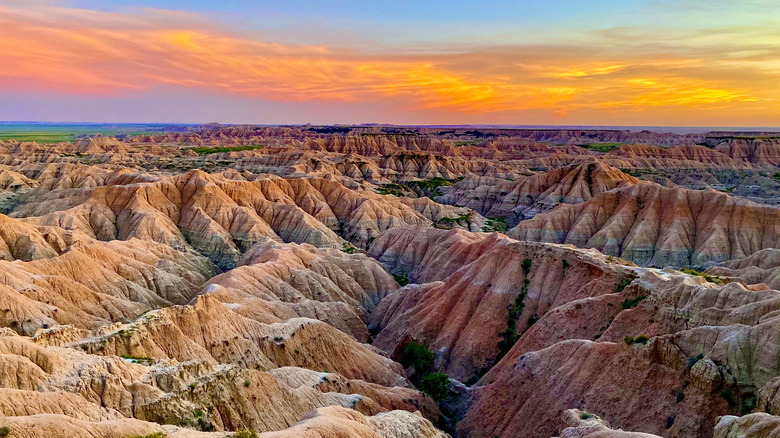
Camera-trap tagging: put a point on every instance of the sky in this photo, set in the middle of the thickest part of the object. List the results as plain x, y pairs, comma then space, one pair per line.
557, 62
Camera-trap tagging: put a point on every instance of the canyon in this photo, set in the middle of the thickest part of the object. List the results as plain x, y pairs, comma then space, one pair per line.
390, 281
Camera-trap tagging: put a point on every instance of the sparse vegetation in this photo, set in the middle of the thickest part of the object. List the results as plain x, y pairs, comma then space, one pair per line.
418, 355
245, 433
681, 392
401, 279
436, 386
428, 187
589, 176
4, 431
630, 303
392, 189
509, 336
586, 416
622, 283
138, 359
565, 264
692, 361
600, 147
711, 278
203, 423
151, 435
495, 224
216, 150
527, 266
247, 383
641, 339
452, 221
348, 248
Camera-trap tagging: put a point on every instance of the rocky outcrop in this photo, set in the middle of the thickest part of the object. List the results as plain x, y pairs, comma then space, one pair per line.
657, 226
276, 282
578, 424
222, 217
331, 422
209, 331
97, 283
193, 393
758, 425
526, 197
761, 267
478, 291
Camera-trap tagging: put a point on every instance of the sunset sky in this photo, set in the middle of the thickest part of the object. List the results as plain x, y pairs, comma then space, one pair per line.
574, 62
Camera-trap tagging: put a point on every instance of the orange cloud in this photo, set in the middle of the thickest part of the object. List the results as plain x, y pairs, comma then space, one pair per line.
72, 51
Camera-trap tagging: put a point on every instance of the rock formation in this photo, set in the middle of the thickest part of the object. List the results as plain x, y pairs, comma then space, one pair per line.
333, 281
658, 226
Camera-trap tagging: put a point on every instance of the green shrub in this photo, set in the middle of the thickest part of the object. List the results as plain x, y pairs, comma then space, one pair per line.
401, 279
495, 224
600, 147
247, 383
436, 385
4, 431
245, 433
565, 264
692, 361
586, 416
641, 339
509, 336
625, 281
418, 355
527, 266
348, 248
630, 303
711, 278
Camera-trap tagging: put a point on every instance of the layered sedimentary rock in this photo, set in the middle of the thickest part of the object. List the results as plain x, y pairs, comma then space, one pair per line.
678, 350
578, 424
97, 283
524, 198
223, 217
654, 225
213, 279
760, 267
339, 422
758, 425
195, 393
471, 284
276, 282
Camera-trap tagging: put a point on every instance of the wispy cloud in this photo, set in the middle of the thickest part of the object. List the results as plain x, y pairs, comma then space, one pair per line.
52, 49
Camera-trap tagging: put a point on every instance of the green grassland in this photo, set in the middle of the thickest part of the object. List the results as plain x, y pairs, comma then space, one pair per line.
48, 133
601, 147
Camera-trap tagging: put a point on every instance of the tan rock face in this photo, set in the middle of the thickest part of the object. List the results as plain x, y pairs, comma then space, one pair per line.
578, 424
222, 218
96, 283
281, 281
758, 425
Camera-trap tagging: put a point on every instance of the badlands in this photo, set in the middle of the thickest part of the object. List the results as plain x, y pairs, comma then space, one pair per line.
387, 281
